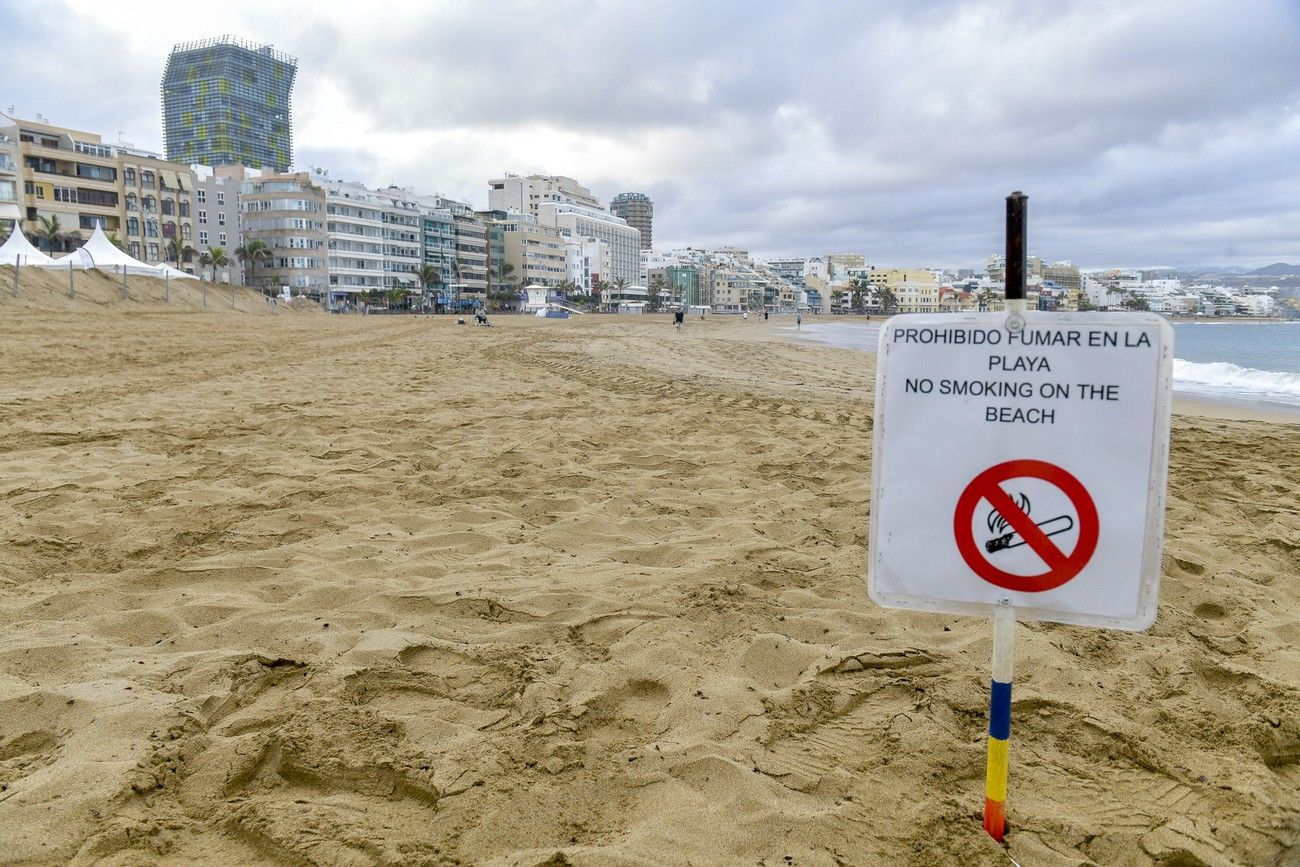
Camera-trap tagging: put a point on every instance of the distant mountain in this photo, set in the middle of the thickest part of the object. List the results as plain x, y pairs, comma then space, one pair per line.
1277, 269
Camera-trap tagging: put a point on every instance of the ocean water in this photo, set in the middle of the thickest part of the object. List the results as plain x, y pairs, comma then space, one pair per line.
1258, 362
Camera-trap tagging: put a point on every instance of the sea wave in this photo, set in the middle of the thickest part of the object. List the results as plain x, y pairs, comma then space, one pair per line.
1222, 377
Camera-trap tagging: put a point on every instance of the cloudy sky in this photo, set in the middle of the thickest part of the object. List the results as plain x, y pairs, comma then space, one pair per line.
1145, 133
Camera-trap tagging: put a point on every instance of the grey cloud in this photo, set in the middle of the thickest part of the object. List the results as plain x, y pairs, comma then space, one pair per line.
1144, 131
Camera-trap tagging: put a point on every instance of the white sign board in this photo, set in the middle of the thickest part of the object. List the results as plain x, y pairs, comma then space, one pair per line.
1022, 461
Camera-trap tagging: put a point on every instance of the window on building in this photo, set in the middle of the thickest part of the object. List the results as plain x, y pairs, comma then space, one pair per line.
134, 249
150, 203
202, 196
221, 198
168, 208
185, 209
90, 221
203, 215
153, 252
203, 237
128, 176
96, 173
185, 231
132, 201
221, 239
133, 226
221, 218
147, 179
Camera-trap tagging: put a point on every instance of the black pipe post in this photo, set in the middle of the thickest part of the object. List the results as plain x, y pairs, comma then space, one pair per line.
1017, 206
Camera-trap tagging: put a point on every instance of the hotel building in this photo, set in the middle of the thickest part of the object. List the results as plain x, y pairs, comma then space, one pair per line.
639, 212
287, 213
227, 101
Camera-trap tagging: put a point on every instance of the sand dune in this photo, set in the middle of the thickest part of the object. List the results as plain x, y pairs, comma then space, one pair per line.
345, 590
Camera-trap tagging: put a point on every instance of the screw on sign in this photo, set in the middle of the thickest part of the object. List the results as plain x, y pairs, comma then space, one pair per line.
1061, 566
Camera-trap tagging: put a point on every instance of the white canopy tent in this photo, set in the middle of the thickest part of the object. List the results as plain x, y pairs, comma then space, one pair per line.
19, 251
166, 270
99, 252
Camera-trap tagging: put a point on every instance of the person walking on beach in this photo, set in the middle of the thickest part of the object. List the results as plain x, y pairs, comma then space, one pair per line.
798, 320
744, 314
679, 317
764, 314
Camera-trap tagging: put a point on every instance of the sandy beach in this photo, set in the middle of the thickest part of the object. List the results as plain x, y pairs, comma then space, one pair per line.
300, 588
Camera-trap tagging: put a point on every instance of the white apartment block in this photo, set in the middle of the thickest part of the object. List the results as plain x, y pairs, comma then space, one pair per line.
578, 222
525, 195
374, 238
587, 259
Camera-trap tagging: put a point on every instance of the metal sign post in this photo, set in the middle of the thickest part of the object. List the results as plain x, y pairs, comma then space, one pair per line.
1063, 419
997, 762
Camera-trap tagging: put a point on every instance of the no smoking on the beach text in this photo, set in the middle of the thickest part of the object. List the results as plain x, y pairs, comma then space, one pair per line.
1020, 363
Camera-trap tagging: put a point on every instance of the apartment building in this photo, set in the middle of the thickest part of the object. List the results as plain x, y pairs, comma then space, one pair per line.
66, 174
286, 212
438, 247
525, 195
577, 222
588, 261
217, 215
158, 205
471, 256
682, 284
537, 253
837, 264
11, 214
639, 212
375, 239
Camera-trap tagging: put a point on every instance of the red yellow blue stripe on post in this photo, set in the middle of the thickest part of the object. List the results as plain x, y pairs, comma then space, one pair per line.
995, 769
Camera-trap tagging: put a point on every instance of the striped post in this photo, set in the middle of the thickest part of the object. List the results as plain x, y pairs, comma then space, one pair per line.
999, 745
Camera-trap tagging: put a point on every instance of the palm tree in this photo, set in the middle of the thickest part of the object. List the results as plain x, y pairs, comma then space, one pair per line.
217, 256
504, 272
249, 254
205, 259
178, 248
984, 298
658, 286
50, 231
455, 272
395, 296
428, 276
886, 299
837, 297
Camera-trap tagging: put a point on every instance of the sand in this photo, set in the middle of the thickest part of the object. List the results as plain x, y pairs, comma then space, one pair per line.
346, 590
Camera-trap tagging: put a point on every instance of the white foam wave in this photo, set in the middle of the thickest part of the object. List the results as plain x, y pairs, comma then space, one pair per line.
1222, 377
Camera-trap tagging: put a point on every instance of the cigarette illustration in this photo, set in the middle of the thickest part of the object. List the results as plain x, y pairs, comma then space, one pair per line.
1050, 527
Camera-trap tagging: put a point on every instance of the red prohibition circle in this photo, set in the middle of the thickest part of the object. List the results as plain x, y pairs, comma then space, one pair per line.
1060, 566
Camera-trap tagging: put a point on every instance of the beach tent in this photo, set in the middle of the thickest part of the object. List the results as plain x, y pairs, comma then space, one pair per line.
166, 270
101, 253
19, 251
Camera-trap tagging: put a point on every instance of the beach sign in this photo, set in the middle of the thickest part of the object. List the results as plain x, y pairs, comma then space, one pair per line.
1022, 462
1019, 472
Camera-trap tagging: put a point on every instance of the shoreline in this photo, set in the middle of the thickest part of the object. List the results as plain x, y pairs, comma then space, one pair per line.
1194, 404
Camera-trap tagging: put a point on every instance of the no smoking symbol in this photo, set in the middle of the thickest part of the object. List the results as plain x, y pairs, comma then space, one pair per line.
1061, 566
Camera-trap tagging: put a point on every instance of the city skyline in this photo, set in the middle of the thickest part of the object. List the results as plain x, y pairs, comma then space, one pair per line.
1145, 134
